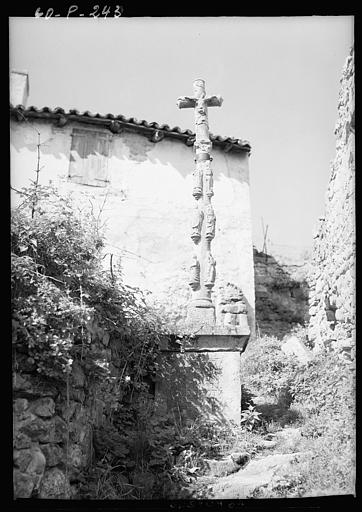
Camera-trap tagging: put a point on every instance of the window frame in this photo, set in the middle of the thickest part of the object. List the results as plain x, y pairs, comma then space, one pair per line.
89, 142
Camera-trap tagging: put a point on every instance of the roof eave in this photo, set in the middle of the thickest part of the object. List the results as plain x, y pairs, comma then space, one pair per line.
117, 123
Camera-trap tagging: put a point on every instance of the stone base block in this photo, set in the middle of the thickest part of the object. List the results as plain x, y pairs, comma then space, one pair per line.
201, 316
201, 385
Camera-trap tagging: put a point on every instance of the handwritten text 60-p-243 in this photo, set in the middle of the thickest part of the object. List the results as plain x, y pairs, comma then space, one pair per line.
97, 11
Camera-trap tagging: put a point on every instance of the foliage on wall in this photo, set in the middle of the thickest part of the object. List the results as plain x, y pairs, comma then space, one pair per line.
66, 305
71, 311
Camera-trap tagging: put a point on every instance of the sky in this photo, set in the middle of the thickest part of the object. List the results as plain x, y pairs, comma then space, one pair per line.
279, 78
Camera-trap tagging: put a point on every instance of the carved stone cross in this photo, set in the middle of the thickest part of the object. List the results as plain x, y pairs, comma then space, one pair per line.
203, 265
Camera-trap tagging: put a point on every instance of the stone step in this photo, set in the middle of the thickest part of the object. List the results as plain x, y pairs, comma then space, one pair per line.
258, 473
227, 465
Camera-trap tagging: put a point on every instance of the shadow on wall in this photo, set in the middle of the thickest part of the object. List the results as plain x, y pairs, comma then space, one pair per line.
281, 301
185, 387
167, 152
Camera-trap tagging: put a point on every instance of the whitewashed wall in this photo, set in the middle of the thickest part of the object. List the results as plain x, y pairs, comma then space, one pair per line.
148, 206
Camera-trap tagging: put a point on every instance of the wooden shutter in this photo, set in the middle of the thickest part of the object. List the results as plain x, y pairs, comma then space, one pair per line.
89, 158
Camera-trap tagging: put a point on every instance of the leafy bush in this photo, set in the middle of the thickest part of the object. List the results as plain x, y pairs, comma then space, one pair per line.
50, 254
326, 384
266, 369
325, 392
250, 417
66, 305
323, 398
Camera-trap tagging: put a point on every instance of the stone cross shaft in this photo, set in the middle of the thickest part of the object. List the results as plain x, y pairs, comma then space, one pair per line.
202, 269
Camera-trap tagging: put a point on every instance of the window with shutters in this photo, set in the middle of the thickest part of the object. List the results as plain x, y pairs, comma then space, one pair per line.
89, 157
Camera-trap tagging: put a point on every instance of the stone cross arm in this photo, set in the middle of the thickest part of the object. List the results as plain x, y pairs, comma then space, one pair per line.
190, 101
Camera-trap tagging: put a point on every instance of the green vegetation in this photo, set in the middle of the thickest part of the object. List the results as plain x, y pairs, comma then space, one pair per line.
319, 399
68, 306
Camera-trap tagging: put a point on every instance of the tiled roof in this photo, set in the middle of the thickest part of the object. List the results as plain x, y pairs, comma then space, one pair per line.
153, 130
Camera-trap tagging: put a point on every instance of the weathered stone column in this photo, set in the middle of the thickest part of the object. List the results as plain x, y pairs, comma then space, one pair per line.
203, 374
203, 271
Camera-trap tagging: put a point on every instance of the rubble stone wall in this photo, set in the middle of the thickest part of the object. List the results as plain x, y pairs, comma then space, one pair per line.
52, 434
332, 273
281, 295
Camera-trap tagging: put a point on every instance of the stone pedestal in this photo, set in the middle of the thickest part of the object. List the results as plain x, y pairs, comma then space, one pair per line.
202, 378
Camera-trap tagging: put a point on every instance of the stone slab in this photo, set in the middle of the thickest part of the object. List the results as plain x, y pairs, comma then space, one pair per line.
205, 327
207, 343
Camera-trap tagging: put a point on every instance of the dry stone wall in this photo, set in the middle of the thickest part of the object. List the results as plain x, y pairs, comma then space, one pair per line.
281, 295
332, 274
52, 435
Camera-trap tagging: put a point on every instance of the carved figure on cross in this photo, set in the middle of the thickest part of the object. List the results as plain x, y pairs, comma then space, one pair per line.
200, 102
202, 269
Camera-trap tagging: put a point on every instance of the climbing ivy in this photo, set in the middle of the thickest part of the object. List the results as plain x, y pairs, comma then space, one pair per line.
66, 304
69, 305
